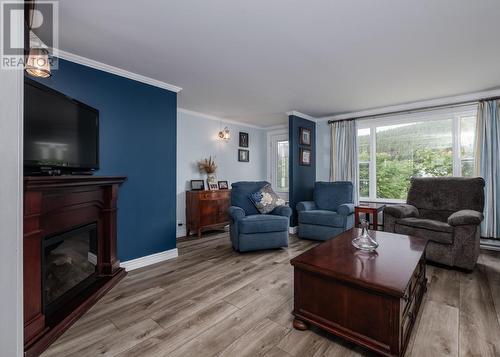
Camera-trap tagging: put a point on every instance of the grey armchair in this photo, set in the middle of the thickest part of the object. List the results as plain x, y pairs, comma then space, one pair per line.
251, 230
331, 212
448, 212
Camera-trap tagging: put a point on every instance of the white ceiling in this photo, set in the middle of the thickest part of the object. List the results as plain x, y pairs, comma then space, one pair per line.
252, 61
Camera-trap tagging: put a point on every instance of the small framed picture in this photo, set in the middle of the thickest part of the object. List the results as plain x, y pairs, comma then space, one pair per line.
213, 186
223, 185
243, 155
305, 136
305, 157
197, 185
243, 139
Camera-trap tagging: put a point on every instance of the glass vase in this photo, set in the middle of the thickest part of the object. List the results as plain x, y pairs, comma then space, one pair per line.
365, 242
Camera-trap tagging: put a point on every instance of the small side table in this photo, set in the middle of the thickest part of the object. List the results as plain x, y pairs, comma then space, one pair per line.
368, 208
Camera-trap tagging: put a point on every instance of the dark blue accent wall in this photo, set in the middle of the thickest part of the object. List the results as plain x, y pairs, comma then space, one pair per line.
137, 140
302, 178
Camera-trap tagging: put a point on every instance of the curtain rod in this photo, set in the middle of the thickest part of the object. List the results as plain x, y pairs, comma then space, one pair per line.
417, 110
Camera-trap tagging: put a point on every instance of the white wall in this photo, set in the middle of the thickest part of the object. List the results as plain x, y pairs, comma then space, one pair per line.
11, 297
323, 144
197, 139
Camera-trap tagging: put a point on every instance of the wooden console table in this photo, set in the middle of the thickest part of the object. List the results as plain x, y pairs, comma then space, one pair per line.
207, 210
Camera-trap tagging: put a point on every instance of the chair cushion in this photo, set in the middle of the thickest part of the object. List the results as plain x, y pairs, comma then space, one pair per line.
321, 218
426, 224
263, 223
266, 200
436, 231
435, 236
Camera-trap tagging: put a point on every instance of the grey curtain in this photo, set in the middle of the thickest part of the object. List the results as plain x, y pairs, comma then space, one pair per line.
344, 154
487, 164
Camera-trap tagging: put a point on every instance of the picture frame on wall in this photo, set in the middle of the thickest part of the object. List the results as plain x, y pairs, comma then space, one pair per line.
197, 185
243, 155
212, 186
305, 157
305, 136
243, 139
223, 185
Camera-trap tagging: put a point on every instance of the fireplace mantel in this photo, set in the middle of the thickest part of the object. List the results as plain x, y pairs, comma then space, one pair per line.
53, 204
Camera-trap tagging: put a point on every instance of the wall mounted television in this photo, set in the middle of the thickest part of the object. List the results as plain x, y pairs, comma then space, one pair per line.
61, 134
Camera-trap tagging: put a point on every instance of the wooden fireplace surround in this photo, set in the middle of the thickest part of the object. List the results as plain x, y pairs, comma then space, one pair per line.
54, 204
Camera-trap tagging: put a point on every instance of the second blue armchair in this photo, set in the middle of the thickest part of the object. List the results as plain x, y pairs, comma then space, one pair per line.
331, 212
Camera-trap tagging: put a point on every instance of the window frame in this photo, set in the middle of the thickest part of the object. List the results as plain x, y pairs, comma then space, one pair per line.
457, 113
273, 137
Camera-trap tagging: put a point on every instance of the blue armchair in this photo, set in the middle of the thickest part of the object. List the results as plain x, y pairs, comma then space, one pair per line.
331, 212
251, 230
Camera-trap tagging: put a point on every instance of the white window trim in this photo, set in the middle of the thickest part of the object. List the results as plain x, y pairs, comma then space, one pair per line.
432, 115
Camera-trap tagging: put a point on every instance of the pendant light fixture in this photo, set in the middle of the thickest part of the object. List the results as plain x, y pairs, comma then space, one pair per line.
38, 62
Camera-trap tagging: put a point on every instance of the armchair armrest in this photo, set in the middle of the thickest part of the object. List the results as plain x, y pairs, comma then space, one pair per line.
401, 210
282, 211
346, 209
306, 206
465, 217
236, 213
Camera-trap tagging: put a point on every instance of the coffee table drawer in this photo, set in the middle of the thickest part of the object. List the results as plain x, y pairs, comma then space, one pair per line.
411, 289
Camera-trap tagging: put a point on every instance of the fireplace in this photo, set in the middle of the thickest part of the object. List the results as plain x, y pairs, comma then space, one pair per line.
69, 262
69, 249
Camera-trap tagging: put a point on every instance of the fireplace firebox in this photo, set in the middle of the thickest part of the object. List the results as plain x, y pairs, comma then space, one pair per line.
69, 261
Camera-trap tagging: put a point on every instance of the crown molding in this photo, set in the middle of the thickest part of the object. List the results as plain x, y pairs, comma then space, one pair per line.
301, 115
415, 105
215, 118
68, 56
277, 127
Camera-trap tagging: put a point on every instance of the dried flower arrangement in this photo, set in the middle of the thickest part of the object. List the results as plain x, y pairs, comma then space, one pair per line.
207, 166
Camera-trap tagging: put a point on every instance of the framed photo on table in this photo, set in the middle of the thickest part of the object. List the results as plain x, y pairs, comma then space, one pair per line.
305, 157
223, 185
197, 185
212, 186
305, 136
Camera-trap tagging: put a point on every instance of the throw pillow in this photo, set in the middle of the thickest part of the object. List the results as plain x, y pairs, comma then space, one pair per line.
266, 200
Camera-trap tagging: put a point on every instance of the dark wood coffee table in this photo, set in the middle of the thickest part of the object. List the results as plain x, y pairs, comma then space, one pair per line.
371, 299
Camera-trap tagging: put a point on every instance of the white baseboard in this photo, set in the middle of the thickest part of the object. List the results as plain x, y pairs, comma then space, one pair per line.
490, 247
293, 230
149, 259
180, 232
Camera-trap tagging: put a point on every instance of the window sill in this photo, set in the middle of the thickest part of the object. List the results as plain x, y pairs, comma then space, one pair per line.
381, 200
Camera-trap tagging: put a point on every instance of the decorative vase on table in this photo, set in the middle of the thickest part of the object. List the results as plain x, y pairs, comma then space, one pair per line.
365, 242
211, 178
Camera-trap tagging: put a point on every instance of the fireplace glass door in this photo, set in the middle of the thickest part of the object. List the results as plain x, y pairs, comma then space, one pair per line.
68, 265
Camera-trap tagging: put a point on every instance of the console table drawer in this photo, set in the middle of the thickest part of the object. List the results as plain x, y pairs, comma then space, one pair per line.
214, 195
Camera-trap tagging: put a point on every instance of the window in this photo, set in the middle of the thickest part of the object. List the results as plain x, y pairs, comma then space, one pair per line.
278, 162
393, 149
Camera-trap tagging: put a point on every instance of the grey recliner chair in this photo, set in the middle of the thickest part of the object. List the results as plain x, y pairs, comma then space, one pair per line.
448, 212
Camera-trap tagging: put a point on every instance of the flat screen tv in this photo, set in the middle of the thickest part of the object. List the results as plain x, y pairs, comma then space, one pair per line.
61, 134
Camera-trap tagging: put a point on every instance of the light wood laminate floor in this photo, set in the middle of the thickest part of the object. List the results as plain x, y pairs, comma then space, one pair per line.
212, 301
